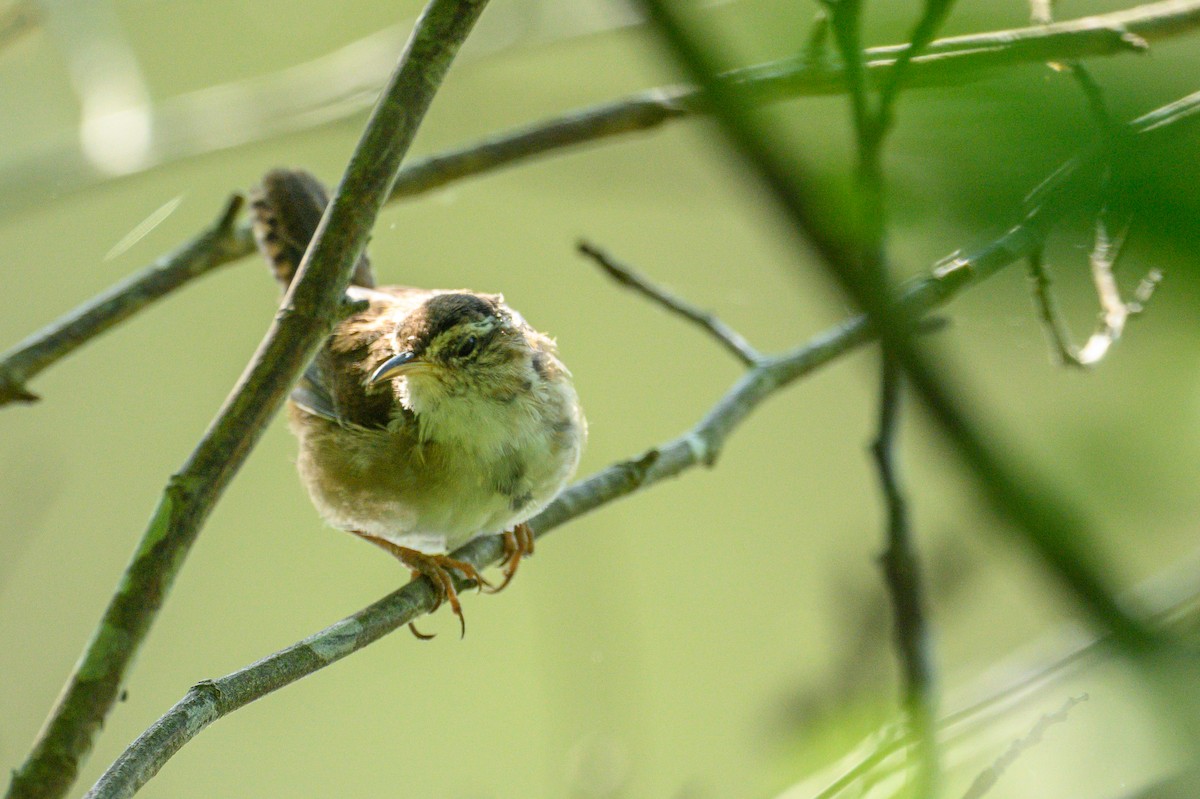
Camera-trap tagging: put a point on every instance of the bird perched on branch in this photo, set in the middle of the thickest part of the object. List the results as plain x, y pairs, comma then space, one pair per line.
428, 418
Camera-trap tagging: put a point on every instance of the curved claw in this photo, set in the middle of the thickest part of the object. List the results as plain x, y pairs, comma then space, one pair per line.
437, 569
518, 543
420, 636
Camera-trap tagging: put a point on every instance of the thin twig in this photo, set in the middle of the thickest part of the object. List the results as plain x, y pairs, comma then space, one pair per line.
1041, 12
902, 571
988, 778
729, 338
1041, 519
310, 308
932, 17
1048, 311
900, 562
947, 60
814, 54
1094, 96
643, 111
1114, 311
339, 84
214, 247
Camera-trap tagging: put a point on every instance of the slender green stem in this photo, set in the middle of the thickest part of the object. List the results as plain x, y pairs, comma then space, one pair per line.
946, 61
900, 561
1035, 512
309, 310
699, 446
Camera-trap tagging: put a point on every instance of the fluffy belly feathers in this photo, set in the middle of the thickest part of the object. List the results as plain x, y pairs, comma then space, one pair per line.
430, 495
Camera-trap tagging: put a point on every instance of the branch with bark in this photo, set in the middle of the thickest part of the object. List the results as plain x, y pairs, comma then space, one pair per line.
1040, 518
212, 699
313, 304
310, 309
701, 445
950, 60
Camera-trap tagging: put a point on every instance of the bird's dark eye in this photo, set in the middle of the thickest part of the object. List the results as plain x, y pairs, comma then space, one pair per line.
467, 347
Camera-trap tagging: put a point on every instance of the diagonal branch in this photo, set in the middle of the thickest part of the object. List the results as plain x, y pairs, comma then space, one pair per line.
950, 60
1039, 517
1114, 311
309, 310
701, 445
729, 338
335, 88
218, 245
1049, 314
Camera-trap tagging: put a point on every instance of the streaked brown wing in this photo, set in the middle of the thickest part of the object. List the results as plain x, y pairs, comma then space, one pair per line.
334, 385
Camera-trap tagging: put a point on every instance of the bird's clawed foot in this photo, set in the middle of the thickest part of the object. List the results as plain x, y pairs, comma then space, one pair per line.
518, 543
437, 569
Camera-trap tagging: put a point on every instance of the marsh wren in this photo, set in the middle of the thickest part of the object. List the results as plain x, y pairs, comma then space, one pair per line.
427, 419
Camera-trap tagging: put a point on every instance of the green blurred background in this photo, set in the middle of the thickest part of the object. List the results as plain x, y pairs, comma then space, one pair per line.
720, 635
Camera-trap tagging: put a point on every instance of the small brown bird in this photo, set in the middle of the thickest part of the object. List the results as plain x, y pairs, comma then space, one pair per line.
429, 418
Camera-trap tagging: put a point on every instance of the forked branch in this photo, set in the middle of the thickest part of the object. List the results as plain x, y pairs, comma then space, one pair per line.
950, 60
310, 308
701, 445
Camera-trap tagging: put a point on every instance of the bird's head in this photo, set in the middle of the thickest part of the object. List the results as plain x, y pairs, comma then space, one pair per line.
456, 345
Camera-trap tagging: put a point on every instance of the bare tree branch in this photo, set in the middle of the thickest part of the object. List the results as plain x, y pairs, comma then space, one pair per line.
701, 445
947, 60
341, 83
310, 308
216, 246
1048, 311
726, 336
1041, 519
1114, 311
212, 699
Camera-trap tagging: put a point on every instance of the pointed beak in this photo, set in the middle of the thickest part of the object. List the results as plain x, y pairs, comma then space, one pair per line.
403, 364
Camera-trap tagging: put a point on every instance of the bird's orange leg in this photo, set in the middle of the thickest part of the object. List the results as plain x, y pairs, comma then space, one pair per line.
518, 543
437, 569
